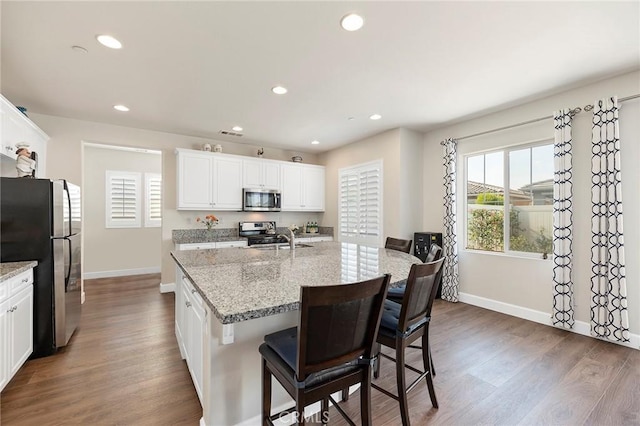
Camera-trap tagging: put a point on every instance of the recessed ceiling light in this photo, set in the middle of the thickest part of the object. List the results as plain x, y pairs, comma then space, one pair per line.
352, 22
109, 41
122, 108
375, 117
236, 128
315, 142
79, 49
279, 90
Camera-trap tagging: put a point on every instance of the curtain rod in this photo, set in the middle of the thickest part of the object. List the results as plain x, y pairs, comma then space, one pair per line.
573, 112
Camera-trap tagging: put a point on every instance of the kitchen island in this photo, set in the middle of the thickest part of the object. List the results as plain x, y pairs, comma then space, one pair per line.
228, 299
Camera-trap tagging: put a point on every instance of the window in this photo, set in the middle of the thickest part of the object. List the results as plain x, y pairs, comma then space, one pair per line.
153, 200
519, 219
360, 189
124, 197
123, 200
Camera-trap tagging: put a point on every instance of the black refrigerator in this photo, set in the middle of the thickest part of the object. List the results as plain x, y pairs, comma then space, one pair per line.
41, 220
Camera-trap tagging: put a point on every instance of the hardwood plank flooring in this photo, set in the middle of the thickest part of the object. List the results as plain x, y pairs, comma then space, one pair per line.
123, 367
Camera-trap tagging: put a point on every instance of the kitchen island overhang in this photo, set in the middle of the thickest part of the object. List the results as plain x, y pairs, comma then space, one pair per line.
248, 293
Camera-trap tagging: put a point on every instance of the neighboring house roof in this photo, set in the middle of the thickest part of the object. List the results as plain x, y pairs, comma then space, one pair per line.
541, 185
476, 188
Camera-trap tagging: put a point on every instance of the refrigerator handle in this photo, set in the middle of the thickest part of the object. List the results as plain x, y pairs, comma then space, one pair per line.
68, 196
68, 272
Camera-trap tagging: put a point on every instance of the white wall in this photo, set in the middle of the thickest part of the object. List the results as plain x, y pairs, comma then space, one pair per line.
401, 153
107, 250
527, 283
411, 184
64, 160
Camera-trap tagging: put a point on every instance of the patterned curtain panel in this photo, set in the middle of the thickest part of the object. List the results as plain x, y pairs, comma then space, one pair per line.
609, 316
562, 222
449, 241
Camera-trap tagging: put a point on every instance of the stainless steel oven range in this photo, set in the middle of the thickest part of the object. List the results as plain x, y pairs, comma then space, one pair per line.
260, 233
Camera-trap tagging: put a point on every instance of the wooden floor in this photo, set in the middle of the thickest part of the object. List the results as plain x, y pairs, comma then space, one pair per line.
123, 367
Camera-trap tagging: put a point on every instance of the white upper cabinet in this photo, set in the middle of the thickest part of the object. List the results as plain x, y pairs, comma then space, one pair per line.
214, 181
302, 187
207, 181
260, 174
195, 181
16, 128
227, 183
12, 132
313, 188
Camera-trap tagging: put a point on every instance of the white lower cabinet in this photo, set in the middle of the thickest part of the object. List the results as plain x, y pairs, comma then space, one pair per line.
231, 244
190, 328
195, 246
4, 351
211, 245
20, 329
16, 324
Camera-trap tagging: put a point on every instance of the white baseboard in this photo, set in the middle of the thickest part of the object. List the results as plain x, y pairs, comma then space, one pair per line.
83, 297
540, 317
121, 273
168, 288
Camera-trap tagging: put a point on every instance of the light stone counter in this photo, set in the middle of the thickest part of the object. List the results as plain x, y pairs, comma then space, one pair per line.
189, 236
240, 284
11, 269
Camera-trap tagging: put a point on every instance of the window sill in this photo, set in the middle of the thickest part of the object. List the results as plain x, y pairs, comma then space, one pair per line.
525, 256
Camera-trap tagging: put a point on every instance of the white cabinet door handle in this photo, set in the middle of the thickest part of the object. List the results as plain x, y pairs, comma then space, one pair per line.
188, 304
193, 291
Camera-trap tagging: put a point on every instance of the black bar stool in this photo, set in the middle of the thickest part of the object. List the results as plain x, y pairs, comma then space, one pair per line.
398, 244
402, 324
331, 349
397, 293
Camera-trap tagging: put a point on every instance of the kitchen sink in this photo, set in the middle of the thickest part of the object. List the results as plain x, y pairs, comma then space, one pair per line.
283, 246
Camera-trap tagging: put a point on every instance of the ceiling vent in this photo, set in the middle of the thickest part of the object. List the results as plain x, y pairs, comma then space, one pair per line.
228, 133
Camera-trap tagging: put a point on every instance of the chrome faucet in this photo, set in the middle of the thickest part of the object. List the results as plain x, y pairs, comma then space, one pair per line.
291, 240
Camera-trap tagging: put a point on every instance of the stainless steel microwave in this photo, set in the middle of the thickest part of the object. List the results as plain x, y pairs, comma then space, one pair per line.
260, 200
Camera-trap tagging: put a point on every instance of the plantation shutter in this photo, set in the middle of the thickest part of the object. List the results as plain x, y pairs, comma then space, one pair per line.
361, 204
153, 200
123, 200
359, 262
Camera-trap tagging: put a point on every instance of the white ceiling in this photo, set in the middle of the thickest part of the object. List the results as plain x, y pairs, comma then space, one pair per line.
195, 68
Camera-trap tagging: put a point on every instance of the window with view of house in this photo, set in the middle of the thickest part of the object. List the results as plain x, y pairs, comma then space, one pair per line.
509, 199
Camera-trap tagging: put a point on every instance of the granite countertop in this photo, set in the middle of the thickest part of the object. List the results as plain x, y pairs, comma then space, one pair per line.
189, 236
194, 236
11, 269
239, 284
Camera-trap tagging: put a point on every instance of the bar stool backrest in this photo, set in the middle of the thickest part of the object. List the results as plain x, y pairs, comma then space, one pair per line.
338, 324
